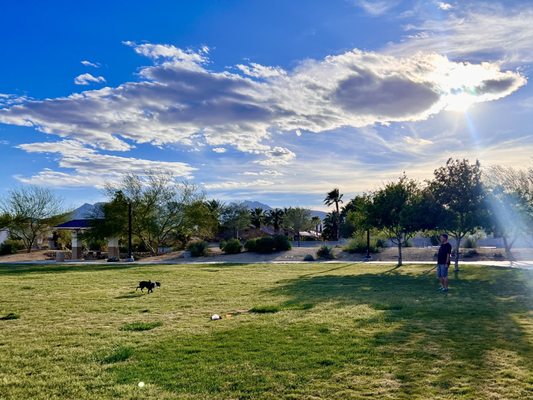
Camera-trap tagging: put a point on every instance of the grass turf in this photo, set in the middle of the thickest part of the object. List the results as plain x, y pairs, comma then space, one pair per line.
288, 331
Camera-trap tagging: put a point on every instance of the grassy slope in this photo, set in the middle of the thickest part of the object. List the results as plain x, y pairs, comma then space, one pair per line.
342, 331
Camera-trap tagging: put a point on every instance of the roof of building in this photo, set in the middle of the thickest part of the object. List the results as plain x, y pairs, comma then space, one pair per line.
75, 224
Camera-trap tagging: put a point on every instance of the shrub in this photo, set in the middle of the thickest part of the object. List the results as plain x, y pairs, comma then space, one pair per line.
232, 246
265, 244
325, 253
198, 249
250, 245
470, 243
358, 245
381, 243
282, 243
471, 253
309, 257
10, 247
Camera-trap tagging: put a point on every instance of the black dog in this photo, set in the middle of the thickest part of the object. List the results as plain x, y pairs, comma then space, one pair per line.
148, 285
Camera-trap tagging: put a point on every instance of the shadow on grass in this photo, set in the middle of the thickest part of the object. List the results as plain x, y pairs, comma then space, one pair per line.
478, 317
23, 269
414, 343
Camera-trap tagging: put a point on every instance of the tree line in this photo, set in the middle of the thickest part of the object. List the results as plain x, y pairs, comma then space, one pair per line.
460, 199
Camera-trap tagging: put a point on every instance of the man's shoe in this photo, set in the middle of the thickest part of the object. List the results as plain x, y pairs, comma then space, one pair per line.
445, 290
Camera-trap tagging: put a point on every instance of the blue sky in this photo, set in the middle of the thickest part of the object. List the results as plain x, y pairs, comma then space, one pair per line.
276, 101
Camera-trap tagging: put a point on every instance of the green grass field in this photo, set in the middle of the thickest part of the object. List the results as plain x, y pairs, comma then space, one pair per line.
331, 331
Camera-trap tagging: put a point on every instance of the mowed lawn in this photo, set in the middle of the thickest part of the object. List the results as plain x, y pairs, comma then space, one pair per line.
330, 331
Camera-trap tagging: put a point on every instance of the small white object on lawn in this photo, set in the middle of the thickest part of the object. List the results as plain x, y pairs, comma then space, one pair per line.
215, 317
141, 384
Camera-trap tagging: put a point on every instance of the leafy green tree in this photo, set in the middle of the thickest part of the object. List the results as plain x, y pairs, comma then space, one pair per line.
298, 219
458, 190
335, 197
159, 206
236, 217
29, 212
257, 217
510, 200
398, 210
275, 218
356, 214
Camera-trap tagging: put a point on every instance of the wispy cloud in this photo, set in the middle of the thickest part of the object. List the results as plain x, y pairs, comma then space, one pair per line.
376, 7
475, 32
179, 101
87, 79
87, 63
87, 167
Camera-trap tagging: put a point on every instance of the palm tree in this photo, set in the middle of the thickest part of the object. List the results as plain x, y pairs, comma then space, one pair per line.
275, 218
257, 217
335, 197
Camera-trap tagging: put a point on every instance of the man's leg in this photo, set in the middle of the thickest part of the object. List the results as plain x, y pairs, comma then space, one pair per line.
445, 283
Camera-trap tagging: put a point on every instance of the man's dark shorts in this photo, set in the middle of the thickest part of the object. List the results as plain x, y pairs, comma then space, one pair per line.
442, 270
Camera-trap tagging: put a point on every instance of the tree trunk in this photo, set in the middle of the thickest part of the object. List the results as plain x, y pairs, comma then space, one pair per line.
457, 246
338, 221
400, 253
298, 236
507, 246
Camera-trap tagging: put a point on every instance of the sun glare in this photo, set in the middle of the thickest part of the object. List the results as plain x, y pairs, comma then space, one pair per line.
460, 102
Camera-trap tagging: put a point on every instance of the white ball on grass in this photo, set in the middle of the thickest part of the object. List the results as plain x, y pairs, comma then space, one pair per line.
141, 384
215, 317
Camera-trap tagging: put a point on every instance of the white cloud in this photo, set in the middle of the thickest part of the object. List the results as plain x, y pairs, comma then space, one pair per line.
277, 156
179, 101
86, 79
90, 168
87, 63
444, 6
266, 172
479, 32
219, 149
376, 7
237, 184
261, 71
169, 52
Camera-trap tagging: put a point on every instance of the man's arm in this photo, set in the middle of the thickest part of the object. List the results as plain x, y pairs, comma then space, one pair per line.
448, 257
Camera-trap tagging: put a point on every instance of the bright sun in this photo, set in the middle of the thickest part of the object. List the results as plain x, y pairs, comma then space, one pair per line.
460, 102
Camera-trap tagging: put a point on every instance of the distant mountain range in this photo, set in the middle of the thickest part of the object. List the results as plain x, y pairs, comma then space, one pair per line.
87, 211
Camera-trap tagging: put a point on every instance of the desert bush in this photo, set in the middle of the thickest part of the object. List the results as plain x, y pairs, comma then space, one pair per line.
471, 253
232, 246
470, 243
250, 245
325, 253
265, 244
282, 243
10, 247
198, 249
309, 257
358, 245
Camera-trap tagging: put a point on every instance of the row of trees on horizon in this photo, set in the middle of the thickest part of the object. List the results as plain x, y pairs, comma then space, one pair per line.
460, 199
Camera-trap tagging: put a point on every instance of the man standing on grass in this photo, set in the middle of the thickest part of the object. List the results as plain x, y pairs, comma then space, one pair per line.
443, 261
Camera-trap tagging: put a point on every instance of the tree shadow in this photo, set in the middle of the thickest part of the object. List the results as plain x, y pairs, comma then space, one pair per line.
22, 269
455, 334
